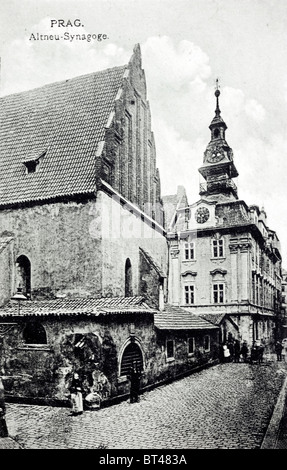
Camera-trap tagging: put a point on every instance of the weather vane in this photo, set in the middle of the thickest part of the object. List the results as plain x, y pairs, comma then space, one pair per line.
217, 93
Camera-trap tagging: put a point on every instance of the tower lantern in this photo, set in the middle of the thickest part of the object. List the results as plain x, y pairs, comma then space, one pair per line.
218, 168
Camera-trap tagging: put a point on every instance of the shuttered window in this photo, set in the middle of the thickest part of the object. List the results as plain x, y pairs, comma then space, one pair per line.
131, 353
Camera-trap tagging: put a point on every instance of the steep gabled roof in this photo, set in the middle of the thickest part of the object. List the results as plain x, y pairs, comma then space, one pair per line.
60, 126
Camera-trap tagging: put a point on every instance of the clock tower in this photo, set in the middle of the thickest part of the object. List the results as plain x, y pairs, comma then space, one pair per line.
218, 168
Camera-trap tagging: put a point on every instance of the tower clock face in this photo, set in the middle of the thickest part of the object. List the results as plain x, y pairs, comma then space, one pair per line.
215, 154
201, 215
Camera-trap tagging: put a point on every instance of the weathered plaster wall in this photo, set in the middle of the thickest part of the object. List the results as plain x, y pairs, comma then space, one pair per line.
123, 233
78, 248
65, 258
6, 272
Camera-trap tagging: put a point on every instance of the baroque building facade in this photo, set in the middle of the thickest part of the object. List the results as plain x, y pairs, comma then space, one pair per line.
224, 260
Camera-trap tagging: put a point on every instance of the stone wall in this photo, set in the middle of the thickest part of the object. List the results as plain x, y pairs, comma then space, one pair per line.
43, 372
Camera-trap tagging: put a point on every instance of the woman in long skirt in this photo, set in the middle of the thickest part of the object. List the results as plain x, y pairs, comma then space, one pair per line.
76, 395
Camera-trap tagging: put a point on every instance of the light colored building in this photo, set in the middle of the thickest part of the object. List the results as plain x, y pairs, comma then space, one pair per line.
224, 260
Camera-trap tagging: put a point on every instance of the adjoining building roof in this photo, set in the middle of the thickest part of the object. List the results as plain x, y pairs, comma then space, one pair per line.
77, 307
215, 318
59, 127
153, 263
176, 318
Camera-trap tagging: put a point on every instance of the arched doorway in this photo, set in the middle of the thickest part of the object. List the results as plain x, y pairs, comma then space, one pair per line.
131, 353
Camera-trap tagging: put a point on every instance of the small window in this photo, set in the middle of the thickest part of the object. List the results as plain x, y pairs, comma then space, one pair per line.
189, 252
206, 343
191, 346
217, 246
189, 294
34, 333
31, 166
170, 349
218, 293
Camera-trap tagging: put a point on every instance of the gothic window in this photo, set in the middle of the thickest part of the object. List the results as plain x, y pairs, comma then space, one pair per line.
217, 248
189, 294
23, 274
218, 293
128, 278
34, 333
189, 250
132, 353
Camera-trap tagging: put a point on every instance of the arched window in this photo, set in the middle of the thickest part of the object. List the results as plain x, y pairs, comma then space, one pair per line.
23, 274
131, 353
34, 333
216, 133
128, 279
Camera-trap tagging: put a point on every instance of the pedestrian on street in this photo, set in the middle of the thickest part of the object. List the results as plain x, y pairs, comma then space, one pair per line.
278, 350
226, 353
76, 391
254, 353
236, 350
244, 351
134, 377
230, 346
3, 425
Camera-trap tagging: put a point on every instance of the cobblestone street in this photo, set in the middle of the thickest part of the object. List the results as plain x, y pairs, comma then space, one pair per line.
227, 406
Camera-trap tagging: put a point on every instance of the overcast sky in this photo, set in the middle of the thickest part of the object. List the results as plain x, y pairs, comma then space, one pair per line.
186, 45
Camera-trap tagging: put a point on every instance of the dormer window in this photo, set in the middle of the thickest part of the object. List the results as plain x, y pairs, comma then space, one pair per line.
32, 164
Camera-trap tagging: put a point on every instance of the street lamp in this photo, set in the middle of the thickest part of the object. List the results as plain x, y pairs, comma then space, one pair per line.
19, 296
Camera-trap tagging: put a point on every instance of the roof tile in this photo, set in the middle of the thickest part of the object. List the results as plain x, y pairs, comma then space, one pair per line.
64, 119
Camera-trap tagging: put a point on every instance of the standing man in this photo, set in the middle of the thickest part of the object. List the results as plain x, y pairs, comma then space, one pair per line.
3, 426
278, 350
135, 376
236, 350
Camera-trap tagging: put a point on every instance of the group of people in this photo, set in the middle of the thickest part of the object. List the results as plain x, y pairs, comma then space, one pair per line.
76, 389
234, 351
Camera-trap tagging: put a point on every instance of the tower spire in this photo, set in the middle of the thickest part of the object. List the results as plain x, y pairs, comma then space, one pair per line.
218, 168
217, 94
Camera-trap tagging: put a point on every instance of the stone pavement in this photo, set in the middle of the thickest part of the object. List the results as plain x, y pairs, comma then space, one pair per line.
227, 406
